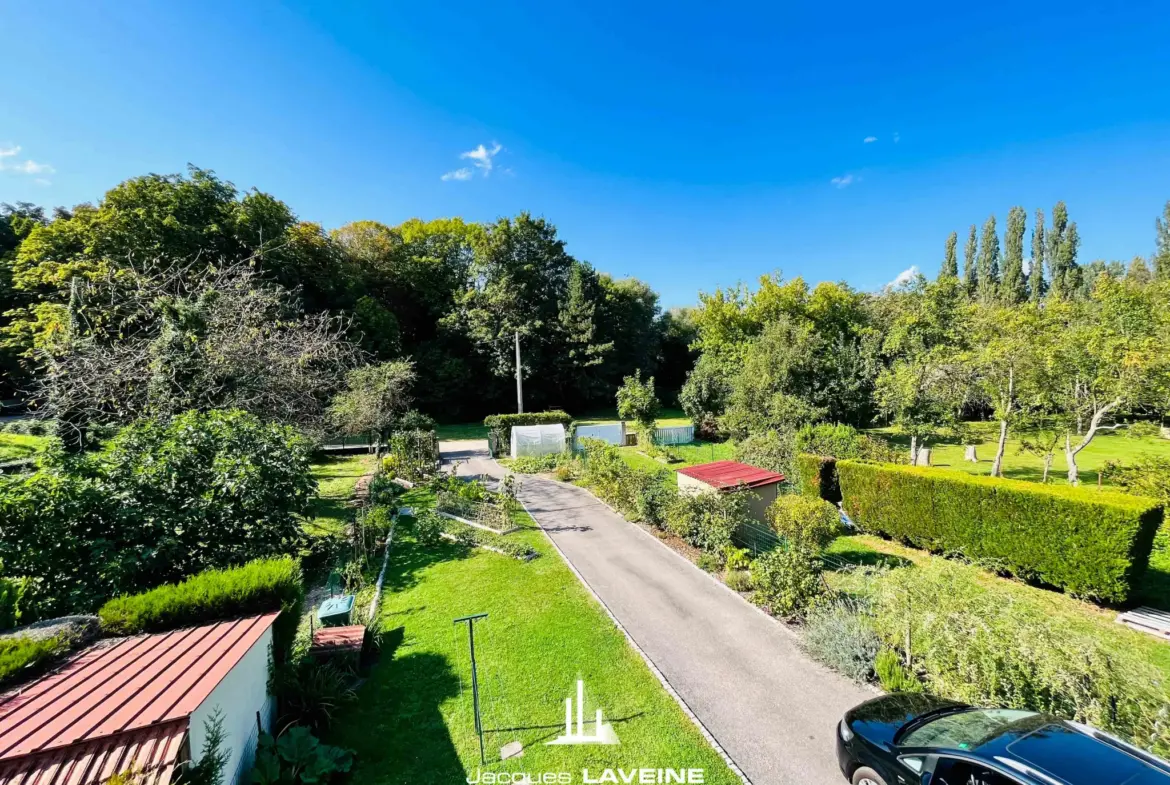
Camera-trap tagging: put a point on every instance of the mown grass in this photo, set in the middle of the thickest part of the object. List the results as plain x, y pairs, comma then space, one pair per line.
330, 511
1113, 446
462, 431
666, 417
413, 719
14, 446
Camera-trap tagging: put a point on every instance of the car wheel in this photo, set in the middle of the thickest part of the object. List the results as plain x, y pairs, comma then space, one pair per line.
867, 776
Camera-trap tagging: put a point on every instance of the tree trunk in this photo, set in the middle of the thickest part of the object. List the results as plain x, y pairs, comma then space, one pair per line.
1048, 465
913, 450
997, 464
1070, 452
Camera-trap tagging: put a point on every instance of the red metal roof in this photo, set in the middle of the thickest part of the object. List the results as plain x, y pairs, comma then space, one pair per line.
150, 752
330, 640
730, 474
136, 683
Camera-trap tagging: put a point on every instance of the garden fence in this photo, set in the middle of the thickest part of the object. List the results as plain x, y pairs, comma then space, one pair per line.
674, 434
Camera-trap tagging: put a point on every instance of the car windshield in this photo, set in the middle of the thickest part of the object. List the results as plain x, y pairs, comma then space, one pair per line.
963, 730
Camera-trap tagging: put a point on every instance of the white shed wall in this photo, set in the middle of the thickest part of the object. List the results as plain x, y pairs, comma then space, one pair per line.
611, 433
242, 693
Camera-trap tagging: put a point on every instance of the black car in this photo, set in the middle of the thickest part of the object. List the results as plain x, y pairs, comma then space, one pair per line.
911, 739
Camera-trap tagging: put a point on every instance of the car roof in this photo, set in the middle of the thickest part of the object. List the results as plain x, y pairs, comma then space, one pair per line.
1065, 753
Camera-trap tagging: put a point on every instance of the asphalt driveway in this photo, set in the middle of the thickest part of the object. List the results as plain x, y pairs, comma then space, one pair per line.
771, 708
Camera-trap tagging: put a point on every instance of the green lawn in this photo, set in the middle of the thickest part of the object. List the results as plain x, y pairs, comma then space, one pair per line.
694, 453
413, 721
14, 446
459, 431
668, 416
1109, 446
336, 477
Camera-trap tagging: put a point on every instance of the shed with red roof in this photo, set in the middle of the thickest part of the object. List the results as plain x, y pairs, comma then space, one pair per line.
141, 704
725, 476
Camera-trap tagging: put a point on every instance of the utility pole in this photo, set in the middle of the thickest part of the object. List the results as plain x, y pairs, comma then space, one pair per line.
474, 678
519, 384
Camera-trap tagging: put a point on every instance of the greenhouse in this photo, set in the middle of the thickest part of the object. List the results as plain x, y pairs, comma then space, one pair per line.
535, 440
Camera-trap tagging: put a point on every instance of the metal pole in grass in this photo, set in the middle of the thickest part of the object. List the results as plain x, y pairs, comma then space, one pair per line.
474, 679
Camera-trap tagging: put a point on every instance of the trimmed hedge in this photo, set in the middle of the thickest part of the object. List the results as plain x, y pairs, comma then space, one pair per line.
1091, 543
22, 657
257, 587
500, 426
816, 475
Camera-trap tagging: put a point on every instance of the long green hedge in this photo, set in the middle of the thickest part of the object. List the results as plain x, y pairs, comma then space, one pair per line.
260, 586
1089, 542
500, 426
816, 475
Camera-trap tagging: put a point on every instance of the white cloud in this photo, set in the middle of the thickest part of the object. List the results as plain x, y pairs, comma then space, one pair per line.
904, 277
845, 180
27, 166
7, 152
897, 137
457, 174
869, 140
482, 157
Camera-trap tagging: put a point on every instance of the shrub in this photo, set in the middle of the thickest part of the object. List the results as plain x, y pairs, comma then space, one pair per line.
737, 558
428, 531
844, 442
534, 464
708, 520
987, 644
1149, 476
12, 601
773, 450
383, 489
1143, 429
787, 582
298, 758
651, 496
1089, 542
475, 537
805, 522
23, 656
309, 692
260, 586
416, 454
500, 426
893, 675
739, 580
838, 636
636, 401
816, 475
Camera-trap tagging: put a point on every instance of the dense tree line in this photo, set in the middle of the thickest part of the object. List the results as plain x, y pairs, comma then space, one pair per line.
1045, 345
174, 291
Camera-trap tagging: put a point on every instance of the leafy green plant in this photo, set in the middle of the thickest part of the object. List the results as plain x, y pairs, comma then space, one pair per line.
1090, 542
12, 598
787, 582
839, 636
208, 770
737, 558
892, 674
1143, 429
816, 476
708, 520
804, 521
428, 530
310, 692
773, 450
709, 562
261, 586
636, 401
739, 580
24, 656
471, 536
534, 464
296, 757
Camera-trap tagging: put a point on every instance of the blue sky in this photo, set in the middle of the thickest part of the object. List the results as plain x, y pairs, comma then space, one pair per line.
689, 144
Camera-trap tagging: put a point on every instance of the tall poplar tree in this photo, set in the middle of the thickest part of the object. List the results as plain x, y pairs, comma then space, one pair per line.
1036, 283
950, 265
1014, 289
970, 275
988, 263
1062, 253
1161, 260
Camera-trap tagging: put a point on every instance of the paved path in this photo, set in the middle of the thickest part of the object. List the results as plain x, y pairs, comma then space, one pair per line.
773, 710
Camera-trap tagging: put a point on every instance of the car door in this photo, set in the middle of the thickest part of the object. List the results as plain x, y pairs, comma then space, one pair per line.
948, 770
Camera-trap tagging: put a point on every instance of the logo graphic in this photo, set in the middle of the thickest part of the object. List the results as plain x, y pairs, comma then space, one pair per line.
603, 732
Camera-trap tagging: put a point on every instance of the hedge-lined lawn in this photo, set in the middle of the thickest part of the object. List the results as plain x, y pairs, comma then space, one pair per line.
413, 720
1108, 446
14, 446
666, 417
869, 550
336, 477
694, 453
462, 431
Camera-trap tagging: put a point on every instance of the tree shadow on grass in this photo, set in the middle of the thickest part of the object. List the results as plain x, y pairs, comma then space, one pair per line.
863, 557
408, 559
397, 727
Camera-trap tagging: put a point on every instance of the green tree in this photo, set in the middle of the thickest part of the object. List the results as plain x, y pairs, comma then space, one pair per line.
988, 265
950, 264
1161, 259
1139, 272
1063, 244
636, 401
1013, 288
970, 271
1004, 363
374, 398
1037, 287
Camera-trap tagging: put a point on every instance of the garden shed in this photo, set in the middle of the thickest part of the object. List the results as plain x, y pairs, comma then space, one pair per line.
537, 440
727, 476
141, 704
611, 433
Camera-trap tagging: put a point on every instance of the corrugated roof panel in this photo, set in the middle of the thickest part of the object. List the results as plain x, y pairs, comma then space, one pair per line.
135, 683
152, 752
730, 474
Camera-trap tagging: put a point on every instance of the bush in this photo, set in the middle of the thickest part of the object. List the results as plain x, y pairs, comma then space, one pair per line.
838, 636
708, 520
534, 464
805, 522
309, 692
737, 559
1149, 476
415, 454
844, 442
774, 451
986, 644
816, 475
475, 537
893, 675
23, 656
787, 582
739, 580
298, 758
428, 530
636, 401
1089, 542
1143, 429
500, 426
12, 601
383, 489
258, 587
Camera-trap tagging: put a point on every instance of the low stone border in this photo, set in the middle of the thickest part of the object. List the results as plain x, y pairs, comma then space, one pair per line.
476, 525
373, 612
